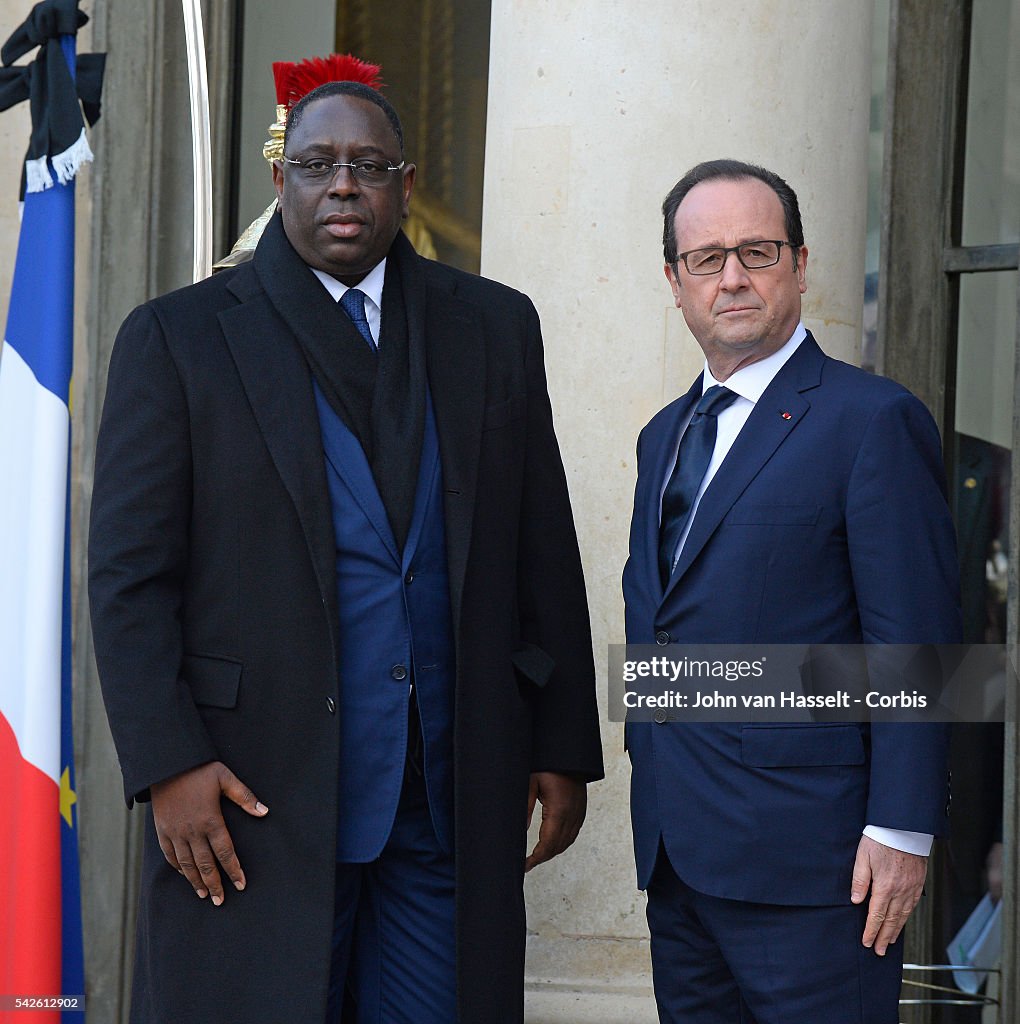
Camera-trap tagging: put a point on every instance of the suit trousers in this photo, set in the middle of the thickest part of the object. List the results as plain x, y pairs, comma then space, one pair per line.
721, 961
394, 950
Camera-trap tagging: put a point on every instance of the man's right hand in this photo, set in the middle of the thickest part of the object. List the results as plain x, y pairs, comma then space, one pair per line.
192, 833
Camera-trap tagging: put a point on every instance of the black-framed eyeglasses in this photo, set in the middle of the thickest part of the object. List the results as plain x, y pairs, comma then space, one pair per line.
752, 256
317, 169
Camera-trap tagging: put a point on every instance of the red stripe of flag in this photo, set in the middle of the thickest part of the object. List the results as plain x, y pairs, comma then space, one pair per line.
30, 927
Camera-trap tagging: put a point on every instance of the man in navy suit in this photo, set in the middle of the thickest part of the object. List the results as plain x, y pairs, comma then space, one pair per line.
339, 614
786, 498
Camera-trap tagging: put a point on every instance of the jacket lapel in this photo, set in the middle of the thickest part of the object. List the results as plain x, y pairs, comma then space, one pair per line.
278, 384
347, 457
775, 416
429, 463
456, 372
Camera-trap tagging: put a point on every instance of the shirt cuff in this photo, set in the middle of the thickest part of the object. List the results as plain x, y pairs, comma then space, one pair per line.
917, 843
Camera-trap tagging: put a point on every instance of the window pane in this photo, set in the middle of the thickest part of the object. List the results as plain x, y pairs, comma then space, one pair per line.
985, 356
991, 195
981, 449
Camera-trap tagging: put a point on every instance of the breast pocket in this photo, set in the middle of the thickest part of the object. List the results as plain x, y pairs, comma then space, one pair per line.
758, 514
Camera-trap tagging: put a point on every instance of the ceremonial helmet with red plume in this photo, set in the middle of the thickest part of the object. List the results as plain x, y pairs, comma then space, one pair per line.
294, 81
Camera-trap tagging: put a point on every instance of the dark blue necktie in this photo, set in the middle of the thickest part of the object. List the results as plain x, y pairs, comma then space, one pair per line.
696, 447
353, 302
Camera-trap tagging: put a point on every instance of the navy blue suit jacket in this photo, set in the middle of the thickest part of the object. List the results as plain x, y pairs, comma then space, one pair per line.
394, 627
826, 523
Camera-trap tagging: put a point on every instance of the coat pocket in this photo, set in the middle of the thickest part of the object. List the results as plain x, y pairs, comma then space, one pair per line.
502, 413
213, 681
533, 663
811, 746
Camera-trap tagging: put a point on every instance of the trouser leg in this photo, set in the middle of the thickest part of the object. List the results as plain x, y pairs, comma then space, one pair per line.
716, 961
403, 958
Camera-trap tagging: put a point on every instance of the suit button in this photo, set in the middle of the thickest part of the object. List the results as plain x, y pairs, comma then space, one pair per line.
662, 638
660, 716
409, 577
331, 704
398, 672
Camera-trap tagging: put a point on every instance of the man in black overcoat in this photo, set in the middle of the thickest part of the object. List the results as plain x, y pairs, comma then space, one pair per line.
230, 616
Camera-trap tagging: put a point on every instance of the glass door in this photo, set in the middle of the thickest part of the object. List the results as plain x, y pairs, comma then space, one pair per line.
981, 401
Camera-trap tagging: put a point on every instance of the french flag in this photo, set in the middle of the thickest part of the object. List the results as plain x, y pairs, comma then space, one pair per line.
40, 915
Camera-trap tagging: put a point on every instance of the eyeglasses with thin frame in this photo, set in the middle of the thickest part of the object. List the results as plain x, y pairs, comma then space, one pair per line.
752, 255
317, 169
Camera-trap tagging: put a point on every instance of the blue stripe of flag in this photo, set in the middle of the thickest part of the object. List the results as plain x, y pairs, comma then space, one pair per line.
42, 292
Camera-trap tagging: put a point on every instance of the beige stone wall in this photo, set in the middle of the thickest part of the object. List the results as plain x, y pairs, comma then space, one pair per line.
595, 110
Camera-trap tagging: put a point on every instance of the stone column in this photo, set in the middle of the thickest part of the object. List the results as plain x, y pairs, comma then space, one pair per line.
595, 111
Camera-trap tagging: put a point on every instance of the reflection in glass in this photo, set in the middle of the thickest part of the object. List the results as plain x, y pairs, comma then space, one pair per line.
979, 490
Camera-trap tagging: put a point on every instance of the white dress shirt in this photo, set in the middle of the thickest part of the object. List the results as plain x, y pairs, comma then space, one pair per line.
371, 284
749, 384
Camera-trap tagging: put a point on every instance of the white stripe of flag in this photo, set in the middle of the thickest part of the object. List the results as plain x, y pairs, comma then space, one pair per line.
33, 485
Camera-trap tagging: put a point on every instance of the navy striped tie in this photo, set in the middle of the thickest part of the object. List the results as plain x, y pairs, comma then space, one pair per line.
691, 465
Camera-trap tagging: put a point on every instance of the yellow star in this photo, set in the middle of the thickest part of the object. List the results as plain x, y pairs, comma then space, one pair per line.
68, 797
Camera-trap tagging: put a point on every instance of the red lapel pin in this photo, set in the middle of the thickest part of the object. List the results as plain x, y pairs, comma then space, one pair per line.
786, 415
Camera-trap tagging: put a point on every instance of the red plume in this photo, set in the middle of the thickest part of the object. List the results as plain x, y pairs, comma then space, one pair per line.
295, 81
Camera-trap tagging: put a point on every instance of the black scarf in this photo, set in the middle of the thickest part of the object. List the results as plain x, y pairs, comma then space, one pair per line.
379, 397
58, 132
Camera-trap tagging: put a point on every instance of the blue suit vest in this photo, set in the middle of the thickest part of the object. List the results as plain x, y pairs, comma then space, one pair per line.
395, 628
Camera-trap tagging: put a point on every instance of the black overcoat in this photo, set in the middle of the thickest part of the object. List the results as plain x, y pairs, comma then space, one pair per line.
214, 611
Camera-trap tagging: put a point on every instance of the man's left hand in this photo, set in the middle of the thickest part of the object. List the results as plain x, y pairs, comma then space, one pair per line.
896, 880
564, 802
